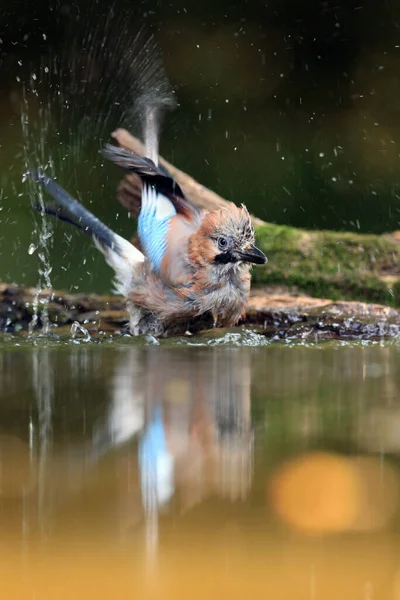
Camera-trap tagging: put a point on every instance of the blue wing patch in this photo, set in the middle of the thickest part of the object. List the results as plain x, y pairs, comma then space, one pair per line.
153, 222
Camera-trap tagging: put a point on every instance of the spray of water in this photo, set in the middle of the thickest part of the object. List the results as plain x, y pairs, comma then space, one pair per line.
108, 75
78, 328
35, 134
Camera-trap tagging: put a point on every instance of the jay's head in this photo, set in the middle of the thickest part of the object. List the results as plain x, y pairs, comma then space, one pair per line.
226, 237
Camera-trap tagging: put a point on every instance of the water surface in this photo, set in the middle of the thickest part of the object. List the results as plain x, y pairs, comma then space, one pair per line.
183, 471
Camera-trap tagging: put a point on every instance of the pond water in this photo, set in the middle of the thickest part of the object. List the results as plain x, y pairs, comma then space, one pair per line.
131, 470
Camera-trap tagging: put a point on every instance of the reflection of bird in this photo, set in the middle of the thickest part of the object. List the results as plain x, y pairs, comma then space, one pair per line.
193, 263
156, 462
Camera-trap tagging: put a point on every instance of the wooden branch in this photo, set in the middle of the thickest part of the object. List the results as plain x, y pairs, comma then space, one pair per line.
195, 192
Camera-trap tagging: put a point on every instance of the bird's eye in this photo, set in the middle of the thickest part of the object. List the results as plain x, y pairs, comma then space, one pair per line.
222, 243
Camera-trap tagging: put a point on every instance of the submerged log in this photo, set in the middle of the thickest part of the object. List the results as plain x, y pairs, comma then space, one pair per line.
281, 316
327, 264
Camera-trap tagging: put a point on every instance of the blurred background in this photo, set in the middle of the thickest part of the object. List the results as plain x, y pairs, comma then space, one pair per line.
290, 107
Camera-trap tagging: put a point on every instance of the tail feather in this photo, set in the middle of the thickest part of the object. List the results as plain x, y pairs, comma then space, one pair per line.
128, 159
120, 254
67, 208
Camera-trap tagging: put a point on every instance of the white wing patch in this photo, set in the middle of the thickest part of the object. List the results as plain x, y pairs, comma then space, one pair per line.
153, 224
125, 259
156, 204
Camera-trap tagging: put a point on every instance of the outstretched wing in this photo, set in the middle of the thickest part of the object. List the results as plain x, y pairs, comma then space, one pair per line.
120, 254
148, 171
166, 218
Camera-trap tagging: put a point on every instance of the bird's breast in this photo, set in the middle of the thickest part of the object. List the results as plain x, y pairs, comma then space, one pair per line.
227, 299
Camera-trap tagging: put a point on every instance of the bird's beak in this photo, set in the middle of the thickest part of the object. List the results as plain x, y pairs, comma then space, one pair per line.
252, 254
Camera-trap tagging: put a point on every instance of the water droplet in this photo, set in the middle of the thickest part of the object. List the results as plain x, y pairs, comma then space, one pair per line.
78, 328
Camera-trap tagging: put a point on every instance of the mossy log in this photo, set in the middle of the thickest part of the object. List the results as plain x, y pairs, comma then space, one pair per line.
326, 264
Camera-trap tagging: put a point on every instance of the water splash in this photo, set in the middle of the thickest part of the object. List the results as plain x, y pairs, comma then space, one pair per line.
243, 337
35, 134
117, 73
78, 328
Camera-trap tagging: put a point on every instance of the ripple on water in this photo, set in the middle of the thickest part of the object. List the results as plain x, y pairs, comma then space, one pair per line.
250, 338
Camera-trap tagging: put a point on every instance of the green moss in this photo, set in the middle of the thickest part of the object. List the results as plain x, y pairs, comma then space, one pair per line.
278, 237
329, 264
